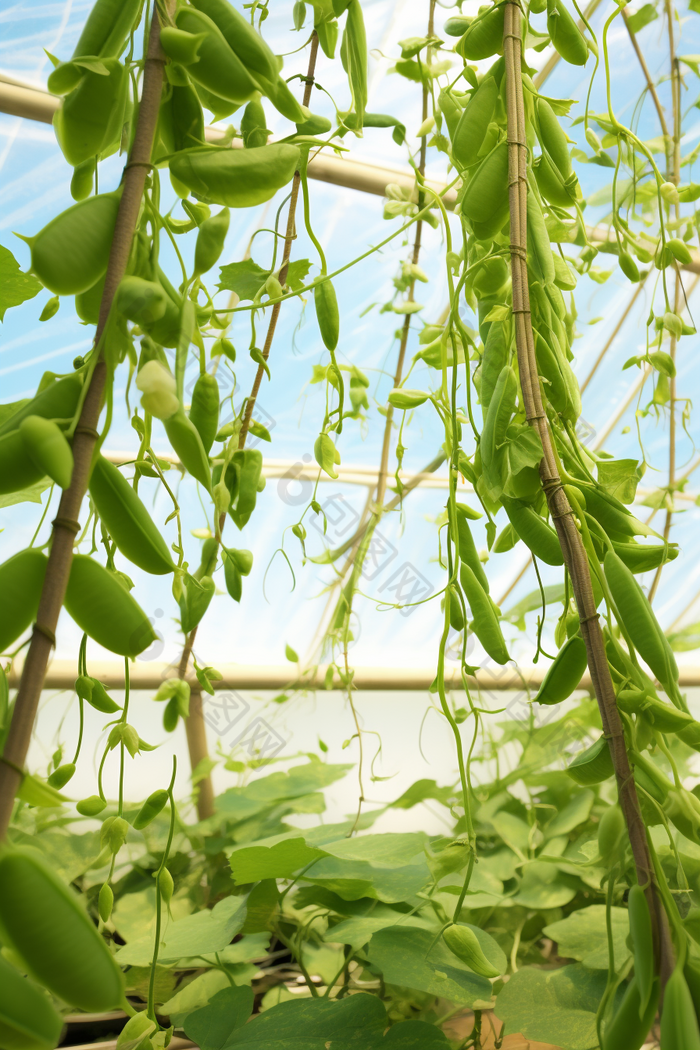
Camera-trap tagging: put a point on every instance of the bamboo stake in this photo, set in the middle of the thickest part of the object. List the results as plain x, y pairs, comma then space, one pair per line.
196, 731
65, 525
574, 553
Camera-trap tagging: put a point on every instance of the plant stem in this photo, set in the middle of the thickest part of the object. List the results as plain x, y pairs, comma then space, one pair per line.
575, 558
195, 726
65, 526
652, 91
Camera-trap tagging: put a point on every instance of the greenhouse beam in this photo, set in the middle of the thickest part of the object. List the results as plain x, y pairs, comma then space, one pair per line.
62, 673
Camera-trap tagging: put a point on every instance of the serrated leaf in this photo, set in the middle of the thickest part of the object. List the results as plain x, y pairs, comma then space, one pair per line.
16, 287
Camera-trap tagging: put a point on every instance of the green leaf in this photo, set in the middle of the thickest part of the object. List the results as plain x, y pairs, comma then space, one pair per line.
685, 640
198, 934
583, 936
420, 791
255, 863
390, 850
244, 278
291, 654
15, 286
359, 929
620, 477
297, 273
543, 887
36, 792
645, 15
32, 494
553, 1006
405, 957
524, 448
211, 1026
575, 813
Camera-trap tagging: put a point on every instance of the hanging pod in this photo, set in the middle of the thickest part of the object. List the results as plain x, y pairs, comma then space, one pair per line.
17, 468
534, 531
327, 313
491, 275
679, 1025
103, 608
455, 611
501, 408
613, 515
484, 622
204, 410
494, 358
181, 120
565, 34
243, 480
91, 690
553, 138
467, 550
451, 111
484, 37
153, 805
48, 449
28, 1020
683, 809
127, 520
551, 185
107, 27
241, 37
631, 1024
470, 132
58, 399
219, 68
187, 446
43, 920
464, 943
91, 117
236, 178
140, 301
83, 179
642, 945
180, 46
639, 558
254, 125
664, 717
639, 620
592, 766
21, 581
565, 673
485, 199
72, 251
210, 241
539, 250
562, 386
233, 577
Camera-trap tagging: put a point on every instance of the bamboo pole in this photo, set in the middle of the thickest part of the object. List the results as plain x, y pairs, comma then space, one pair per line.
575, 558
65, 525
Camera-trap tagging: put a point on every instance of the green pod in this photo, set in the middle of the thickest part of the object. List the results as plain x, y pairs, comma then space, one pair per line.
691, 970
42, 920
539, 250
534, 531
28, 1021
491, 276
565, 35
506, 540
83, 180
631, 1024
242, 480
236, 178
64, 78
61, 775
143, 302
105, 902
327, 37
87, 304
95, 694
494, 359
327, 313
17, 468
592, 766
455, 611
485, 200
21, 582
639, 558
565, 673
210, 241
553, 138
562, 388
72, 251
194, 601
219, 68
457, 25
640, 621
48, 449
180, 46
664, 717
611, 834
242, 559
166, 885
254, 125
468, 552
650, 777
208, 559
498, 417
315, 125
484, 37
187, 445
679, 1025
181, 120
166, 330
107, 27
204, 410
691, 736
451, 111
629, 267
484, 622
126, 519
92, 115
241, 37
153, 805
551, 185
642, 945
56, 400
105, 610
683, 809
464, 943
565, 278
232, 576
613, 515
91, 806
470, 132
282, 99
